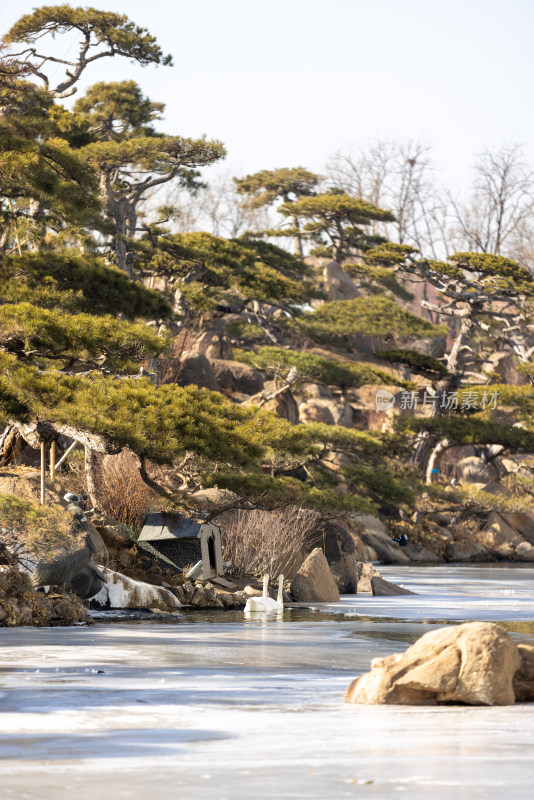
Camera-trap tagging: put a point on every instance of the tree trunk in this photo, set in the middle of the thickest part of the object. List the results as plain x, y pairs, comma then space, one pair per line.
426, 441
118, 211
11, 444
297, 239
90, 477
437, 450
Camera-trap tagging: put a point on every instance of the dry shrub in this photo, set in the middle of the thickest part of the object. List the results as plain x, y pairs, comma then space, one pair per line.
31, 531
122, 493
260, 541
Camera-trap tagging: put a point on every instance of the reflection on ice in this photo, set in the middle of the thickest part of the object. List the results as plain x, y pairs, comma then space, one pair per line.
246, 708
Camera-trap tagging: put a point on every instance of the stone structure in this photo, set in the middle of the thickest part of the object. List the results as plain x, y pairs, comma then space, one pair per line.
477, 663
177, 541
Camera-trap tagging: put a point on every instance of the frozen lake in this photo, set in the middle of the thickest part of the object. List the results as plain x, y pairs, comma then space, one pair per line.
214, 706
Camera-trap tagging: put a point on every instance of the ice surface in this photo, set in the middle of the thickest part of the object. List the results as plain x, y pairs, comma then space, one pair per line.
246, 709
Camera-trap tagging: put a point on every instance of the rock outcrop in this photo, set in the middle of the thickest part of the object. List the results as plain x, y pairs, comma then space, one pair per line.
194, 368
314, 582
339, 549
326, 411
477, 663
232, 376
373, 533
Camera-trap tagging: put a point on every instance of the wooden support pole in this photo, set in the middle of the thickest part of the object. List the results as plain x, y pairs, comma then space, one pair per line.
53, 462
43, 472
65, 454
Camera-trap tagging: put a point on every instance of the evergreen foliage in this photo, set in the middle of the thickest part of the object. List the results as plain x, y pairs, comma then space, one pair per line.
337, 223
67, 281
418, 362
316, 368
474, 429
206, 268
378, 315
39, 336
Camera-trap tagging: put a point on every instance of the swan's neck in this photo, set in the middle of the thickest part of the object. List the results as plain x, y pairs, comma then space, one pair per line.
266, 585
280, 598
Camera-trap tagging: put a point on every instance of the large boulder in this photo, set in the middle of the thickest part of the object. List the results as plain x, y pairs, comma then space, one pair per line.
314, 390
233, 376
504, 364
499, 538
214, 345
326, 411
524, 677
419, 554
524, 552
340, 552
214, 499
314, 583
194, 368
434, 346
467, 550
366, 571
522, 522
283, 404
374, 534
338, 284
119, 591
474, 470
474, 663
362, 550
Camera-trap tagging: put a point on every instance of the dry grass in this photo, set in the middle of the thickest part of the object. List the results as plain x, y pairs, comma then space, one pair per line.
30, 531
122, 494
255, 542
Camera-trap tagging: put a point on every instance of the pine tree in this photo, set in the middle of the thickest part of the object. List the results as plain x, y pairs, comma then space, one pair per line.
266, 187
490, 300
130, 156
336, 223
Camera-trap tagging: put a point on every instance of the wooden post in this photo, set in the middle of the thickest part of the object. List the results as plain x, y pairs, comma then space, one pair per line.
43, 472
53, 462
65, 454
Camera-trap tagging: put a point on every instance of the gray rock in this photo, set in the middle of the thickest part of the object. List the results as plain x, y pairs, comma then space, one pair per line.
522, 522
383, 588
374, 534
194, 368
524, 552
475, 470
421, 555
340, 552
284, 404
188, 590
523, 681
314, 582
467, 550
366, 571
474, 663
338, 284
326, 411
236, 377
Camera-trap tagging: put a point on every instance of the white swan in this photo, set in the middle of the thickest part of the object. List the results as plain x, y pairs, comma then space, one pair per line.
266, 604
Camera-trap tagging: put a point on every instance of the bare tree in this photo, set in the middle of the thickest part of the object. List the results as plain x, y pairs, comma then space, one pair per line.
397, 176
216, 208
497, 217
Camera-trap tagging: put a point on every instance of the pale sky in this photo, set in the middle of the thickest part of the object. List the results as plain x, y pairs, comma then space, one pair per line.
287, 82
